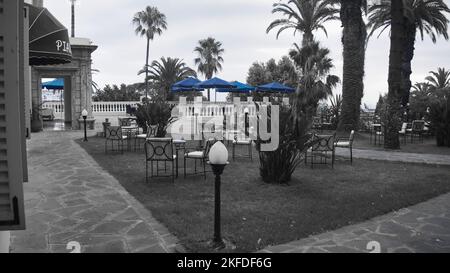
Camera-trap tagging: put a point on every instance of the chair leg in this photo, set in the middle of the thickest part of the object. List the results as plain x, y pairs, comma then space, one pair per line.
250, 151
351, 155
234, 150
184, 167
204, 168
146, 171
106, 146
173, 173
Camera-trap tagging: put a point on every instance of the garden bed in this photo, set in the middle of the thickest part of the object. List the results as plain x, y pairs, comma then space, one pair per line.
255, 214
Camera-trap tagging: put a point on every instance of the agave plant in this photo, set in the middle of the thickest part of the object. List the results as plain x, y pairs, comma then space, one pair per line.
336, 105
277, 166
155, 113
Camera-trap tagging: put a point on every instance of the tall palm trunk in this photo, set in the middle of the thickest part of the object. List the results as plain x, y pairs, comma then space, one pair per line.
354, 43
146, 68
308, 37
408, 55
393, 117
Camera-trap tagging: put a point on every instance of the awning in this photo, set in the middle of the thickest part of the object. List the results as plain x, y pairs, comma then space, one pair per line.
56, 84
49, 39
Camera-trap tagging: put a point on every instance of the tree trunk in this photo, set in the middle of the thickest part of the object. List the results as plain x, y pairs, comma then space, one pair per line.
408, 55
393, 117
308, 37
146, 68
354, 42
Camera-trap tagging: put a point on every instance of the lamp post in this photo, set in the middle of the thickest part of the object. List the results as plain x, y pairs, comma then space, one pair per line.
218, 159
84, 114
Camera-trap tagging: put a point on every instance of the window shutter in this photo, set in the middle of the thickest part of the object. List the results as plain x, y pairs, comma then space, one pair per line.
11, 111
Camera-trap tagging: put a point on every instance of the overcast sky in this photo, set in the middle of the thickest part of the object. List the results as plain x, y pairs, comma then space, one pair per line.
239, 24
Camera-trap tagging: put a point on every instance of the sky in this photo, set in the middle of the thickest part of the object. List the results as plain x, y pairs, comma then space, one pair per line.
241, 27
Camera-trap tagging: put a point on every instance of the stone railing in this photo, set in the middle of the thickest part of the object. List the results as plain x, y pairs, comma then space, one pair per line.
188, 109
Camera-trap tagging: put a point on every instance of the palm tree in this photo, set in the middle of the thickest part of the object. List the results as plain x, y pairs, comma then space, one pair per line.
316, 82
166, 72
209, 60
304, 16
149, 22
393, 111
439, 79
423, 16
354, 49
421, 87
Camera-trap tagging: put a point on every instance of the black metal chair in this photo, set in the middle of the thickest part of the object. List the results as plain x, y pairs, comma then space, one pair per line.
160, 150
114, 134
151, 132
200, 155
322, 148
346, 143
417, 130
244, 142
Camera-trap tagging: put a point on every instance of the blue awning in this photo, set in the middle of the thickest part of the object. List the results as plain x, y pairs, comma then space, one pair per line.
56, 84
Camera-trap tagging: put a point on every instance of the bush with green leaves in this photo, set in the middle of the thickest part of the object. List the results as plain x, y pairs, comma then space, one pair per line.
155, 113
440, 120
277, 166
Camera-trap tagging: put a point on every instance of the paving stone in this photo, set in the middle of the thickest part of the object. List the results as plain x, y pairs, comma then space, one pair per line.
111, 227
110, 247
141, 229
153, 249
141, 243
70, 194
31, 241
340, 249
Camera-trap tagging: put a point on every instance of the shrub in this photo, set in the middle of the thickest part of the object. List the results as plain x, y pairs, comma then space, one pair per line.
277, 166
155, 113
440, 120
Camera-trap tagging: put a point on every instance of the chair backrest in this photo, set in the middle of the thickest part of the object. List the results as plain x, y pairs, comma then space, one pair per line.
418, 125
323, 143
113, 133
352, 136
159, 149
209, 143
124, 121
404, 127
152, 130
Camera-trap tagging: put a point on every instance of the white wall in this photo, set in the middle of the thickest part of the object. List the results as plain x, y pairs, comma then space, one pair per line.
4, 241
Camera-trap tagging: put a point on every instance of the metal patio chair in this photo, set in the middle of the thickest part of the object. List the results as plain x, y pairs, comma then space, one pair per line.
151, 132
160, 150
198, 155
114, 134
346, 143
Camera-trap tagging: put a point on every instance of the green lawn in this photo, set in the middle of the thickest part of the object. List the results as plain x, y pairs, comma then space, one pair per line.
255, 215
362, 141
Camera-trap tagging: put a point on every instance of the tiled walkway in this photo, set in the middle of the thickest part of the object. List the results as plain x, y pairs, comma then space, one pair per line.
71, 198
397, 156
424, 227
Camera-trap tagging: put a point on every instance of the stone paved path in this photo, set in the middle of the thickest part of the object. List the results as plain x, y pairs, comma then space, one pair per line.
396, 156
424, 227
71, 198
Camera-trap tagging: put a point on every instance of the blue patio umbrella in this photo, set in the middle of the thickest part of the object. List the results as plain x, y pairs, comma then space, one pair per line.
238, 88
186, 85
215, 83
275, 87
56, 84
